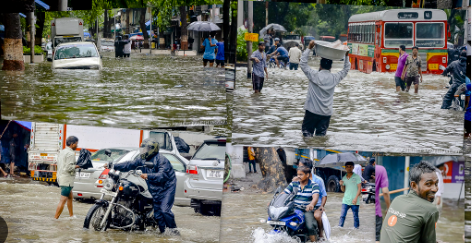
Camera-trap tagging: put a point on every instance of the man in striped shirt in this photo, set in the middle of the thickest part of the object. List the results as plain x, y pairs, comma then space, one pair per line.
307, 196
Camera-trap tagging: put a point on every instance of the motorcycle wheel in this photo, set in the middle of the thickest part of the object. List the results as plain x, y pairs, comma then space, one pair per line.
94, 217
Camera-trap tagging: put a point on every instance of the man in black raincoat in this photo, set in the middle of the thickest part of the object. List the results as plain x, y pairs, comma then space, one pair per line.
160, 179
458, 69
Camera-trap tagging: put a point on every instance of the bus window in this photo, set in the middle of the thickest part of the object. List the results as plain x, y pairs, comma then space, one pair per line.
397, 34
430, 34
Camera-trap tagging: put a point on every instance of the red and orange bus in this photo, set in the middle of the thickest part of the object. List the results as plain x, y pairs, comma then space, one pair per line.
374, 39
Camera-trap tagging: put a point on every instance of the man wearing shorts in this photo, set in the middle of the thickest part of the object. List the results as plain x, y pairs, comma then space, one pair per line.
412, 71
281, 54
399, 83
209, 55
66, 166
259, 66
381, 183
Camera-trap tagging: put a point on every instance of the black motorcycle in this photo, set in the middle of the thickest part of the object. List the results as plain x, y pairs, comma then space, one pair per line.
368, 192
131, 207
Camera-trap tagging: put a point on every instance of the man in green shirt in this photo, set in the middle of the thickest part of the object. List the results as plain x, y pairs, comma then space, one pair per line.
412, 217
351, 186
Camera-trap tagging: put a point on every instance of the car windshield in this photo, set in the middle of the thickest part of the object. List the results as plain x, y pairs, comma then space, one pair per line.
107, 43
60, 40
292, 37
75, 51
115, 155
210, 151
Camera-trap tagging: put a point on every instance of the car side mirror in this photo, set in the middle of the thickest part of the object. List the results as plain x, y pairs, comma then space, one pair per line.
149, 165
101, 56
108, 152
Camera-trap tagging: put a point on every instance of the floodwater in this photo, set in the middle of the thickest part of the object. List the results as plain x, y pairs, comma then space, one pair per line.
29, 207
141, 92
369, 115
243, 220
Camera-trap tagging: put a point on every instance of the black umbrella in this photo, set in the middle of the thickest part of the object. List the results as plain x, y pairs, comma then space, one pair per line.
203, 26
275, 27
340, 159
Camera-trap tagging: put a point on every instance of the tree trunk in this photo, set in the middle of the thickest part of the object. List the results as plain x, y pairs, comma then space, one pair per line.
13, 58
183, 28
226, 30
272, 169
233, 33
105, 24
142, 25
40, 17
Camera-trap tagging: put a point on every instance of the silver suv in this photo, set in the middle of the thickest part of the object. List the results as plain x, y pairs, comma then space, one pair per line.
205, 183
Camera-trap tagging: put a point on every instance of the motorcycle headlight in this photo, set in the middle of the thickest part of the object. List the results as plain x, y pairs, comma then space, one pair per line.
109, 184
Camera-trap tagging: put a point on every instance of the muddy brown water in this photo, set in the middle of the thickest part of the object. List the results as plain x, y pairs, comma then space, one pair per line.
29, 207
369, 115
141, 92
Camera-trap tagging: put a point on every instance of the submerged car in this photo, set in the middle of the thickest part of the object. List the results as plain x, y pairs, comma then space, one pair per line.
48, 48
76, 55
88, 182
205, 183
107, 46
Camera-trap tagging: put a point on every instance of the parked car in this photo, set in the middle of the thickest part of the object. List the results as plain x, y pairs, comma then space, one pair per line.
289, 41
88, 182
76, 55
107, 46
205, 183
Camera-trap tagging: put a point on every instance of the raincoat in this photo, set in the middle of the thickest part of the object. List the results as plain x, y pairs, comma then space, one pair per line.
162, 182
456, 68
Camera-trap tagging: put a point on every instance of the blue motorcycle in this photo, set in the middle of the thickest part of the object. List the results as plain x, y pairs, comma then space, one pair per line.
284, 217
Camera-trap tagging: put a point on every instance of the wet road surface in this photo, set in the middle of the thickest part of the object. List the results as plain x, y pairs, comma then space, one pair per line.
369, 115
242, 214
28, 209
141, 92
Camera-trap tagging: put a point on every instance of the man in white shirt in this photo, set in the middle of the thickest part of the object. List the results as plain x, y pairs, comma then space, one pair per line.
437, 198
127, 46
294, 55
358, 171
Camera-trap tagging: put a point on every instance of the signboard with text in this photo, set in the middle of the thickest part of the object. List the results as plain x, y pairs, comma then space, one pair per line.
254, 37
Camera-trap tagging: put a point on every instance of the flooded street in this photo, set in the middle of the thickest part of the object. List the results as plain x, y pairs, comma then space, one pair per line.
369, 115
243, 213
28, 209
142, 92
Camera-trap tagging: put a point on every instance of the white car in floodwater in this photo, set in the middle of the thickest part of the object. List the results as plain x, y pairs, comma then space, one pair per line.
76, 55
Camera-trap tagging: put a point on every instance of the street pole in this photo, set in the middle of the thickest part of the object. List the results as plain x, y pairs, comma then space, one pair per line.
267, 12
62, 5
114, 27
240, 13
32, 29
249, 43
150, 32
98, 35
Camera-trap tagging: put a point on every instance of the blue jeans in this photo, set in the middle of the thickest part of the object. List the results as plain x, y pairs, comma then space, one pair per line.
355, 212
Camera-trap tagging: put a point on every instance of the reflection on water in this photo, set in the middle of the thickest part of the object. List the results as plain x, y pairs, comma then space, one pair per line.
141, 92
243, 216
28, 209
368, 114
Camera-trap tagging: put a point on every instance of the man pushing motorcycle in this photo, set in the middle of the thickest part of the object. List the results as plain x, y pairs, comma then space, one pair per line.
160, 179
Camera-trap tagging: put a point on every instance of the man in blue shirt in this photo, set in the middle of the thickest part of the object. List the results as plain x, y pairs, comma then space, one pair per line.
282, 55
323, 195
209, 55
220, 56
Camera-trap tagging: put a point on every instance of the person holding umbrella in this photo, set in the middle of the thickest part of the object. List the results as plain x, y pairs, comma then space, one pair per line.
209, 55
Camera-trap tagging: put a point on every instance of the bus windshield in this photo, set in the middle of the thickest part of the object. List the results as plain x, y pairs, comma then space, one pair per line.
430, 35
397, 34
